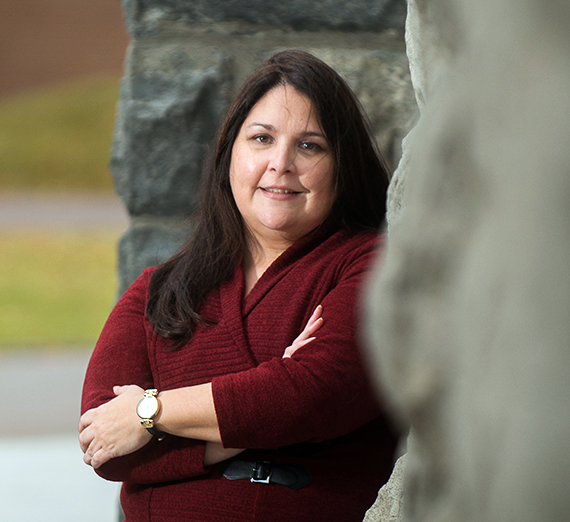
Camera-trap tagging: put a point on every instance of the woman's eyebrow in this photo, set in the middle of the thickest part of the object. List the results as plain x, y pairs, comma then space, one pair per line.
313, 133
271, 128
264, 125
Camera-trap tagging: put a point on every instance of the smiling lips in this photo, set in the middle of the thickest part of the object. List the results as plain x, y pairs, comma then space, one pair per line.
280, 191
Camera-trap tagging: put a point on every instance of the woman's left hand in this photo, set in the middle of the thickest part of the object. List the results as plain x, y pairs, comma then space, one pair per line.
305, 337
113, 429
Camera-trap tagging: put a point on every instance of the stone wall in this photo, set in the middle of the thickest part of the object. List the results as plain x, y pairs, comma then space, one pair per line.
185, 62
469, 311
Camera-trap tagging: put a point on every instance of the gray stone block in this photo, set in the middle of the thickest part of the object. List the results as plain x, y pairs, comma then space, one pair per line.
381, 80
168, 114
144, 17
148, 243
389, 503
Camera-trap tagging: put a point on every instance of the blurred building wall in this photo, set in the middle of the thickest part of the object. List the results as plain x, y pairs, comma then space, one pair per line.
50, 41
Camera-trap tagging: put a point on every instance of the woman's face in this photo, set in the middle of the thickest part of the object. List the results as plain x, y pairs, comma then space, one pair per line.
282, 168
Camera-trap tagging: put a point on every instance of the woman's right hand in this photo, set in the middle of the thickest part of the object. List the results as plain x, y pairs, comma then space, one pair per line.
306, 336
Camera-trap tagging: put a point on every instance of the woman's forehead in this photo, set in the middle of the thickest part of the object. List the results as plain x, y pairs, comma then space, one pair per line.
284, 105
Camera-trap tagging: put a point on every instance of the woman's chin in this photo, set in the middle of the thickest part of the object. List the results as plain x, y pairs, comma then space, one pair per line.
279, 230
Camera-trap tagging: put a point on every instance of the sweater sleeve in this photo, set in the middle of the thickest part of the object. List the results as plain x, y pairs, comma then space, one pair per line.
322, 392
120, 358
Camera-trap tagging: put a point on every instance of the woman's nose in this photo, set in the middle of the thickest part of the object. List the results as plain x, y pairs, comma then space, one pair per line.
282, 159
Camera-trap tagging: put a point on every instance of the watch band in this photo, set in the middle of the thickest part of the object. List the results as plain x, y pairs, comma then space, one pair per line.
155, 433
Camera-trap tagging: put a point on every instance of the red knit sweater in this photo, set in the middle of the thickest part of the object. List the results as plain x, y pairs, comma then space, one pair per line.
321, 395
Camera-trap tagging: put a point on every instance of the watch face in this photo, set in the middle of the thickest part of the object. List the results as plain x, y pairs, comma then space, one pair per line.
147, 407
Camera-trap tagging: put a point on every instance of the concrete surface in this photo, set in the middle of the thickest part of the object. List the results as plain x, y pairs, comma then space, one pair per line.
43, 475
44, 479
75, 210
42, 391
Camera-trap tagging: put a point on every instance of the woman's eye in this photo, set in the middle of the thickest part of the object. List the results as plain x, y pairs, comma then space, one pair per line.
261, 138
309, 145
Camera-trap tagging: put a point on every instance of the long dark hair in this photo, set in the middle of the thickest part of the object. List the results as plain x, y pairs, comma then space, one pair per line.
179, 286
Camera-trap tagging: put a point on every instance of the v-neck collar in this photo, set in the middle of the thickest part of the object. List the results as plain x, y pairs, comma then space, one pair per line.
235, 308
282, 265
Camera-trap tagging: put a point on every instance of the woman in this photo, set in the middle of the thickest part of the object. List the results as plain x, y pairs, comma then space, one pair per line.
249, 332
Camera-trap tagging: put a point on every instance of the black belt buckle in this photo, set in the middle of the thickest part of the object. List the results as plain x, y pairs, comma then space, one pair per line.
291, 476
261, 473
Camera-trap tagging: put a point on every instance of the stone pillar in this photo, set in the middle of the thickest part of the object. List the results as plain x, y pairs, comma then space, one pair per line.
185, 62
469, 310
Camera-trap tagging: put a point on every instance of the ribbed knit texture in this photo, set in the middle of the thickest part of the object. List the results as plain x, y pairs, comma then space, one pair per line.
321, 395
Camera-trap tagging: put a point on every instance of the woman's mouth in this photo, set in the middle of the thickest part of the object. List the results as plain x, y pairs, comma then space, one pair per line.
280, 191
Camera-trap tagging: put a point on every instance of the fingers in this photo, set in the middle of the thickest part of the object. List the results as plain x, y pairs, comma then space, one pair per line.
307, 335
95, 453
313, 324
317, 313
88, 453
298, 344
96, 458
132, 388
91, 434
85, 434
85, 420
85, 439
312, 328
112, 429
87, 443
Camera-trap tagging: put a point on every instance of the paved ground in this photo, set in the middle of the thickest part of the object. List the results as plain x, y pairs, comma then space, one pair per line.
44, 480
79, 210
43, 477
41, 391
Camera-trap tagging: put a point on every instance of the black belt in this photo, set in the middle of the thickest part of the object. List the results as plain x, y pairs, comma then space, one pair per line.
292, 476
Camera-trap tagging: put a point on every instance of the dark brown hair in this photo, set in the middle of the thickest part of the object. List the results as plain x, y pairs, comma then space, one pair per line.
179, 286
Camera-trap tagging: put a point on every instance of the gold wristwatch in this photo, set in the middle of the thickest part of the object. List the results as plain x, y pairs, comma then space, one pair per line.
147, 408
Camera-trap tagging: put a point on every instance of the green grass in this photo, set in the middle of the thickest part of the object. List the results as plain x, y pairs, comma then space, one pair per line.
56, 288
58, 137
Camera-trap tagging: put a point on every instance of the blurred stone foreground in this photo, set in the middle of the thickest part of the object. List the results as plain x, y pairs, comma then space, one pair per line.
468, 315
469, 312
